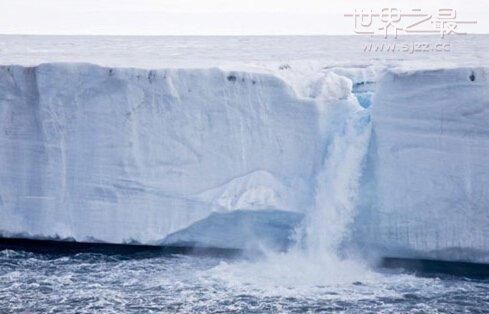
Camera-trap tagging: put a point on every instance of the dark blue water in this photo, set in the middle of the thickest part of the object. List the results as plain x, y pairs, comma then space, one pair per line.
97, 283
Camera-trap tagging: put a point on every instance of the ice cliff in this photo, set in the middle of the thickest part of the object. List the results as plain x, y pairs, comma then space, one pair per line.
392, 162
425, 187
125, 154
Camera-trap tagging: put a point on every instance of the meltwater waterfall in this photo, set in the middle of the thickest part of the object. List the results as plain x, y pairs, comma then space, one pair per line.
337, 182
315, 259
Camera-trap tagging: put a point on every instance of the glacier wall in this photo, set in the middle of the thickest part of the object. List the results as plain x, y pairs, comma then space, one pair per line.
154, 156
121, 155
425, 190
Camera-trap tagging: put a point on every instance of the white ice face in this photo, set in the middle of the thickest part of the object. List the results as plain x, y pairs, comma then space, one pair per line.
124, 154
430, 159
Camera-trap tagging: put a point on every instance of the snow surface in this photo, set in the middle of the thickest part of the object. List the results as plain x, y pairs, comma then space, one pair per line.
153, 52
389, 156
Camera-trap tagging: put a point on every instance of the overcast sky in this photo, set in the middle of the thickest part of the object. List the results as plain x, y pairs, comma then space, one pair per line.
208, 17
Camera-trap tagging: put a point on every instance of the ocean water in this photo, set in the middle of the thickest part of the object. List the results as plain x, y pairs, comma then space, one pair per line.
90, 283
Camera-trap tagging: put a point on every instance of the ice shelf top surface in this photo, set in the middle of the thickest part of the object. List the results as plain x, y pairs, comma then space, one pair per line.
255, 51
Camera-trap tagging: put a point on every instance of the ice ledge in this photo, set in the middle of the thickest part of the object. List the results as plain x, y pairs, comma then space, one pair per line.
261, 230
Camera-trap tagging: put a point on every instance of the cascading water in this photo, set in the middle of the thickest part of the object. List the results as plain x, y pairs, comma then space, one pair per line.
347, 134
314, 260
